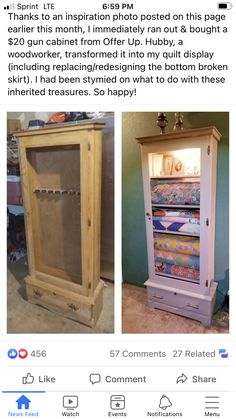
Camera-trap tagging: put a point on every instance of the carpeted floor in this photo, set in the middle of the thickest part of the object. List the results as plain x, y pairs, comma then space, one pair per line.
139, 318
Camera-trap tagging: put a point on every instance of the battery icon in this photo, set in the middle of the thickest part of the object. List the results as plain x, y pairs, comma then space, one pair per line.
227, 6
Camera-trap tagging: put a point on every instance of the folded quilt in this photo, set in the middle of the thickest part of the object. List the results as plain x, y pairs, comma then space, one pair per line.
178, 244
189, 261
181, 271
179, 220
176, 226
184, 193
183, 213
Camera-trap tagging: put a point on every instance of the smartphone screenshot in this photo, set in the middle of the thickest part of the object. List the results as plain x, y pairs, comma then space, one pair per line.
117, 209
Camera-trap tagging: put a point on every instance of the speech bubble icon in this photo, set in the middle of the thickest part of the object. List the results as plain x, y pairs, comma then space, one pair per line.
95, 378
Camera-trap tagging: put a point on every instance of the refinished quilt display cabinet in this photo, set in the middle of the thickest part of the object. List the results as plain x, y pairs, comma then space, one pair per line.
179, 177
61, 183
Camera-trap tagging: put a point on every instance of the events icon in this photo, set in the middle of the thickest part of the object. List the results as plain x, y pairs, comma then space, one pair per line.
117, 402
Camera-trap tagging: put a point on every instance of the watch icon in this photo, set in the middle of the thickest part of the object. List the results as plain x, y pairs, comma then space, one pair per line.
70, 402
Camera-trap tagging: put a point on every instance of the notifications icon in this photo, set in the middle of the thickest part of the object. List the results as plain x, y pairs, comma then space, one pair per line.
165, 402
95, 378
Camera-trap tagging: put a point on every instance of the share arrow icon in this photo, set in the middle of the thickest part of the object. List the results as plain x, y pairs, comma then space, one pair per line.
181, 379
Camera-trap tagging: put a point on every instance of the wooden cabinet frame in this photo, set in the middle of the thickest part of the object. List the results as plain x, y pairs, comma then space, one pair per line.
53, 287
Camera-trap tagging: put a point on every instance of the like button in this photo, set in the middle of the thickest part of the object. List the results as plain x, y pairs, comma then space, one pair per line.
29, 379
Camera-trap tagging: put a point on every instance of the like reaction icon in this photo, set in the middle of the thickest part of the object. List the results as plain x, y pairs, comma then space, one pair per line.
12, 353
29, 379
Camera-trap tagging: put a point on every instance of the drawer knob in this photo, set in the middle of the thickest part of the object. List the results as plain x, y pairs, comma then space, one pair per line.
38, 293
158, 297
73, 307
196, 306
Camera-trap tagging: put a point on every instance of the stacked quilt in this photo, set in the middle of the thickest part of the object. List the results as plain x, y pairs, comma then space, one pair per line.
176, 193
175, 270
178, 255
186, 221
177, 244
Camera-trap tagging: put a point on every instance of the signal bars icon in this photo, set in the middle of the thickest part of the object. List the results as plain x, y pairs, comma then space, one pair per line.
10, 7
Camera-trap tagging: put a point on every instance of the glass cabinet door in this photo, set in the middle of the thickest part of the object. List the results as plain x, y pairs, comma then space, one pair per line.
56, 212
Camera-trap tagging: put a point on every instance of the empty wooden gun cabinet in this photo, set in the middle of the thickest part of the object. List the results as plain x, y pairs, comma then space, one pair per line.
179, 178
61, 183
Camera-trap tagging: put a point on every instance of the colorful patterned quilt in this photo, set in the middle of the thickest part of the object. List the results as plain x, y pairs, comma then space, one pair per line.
175, 226
181, 271
188, 261
176, 212
174, 193
178, 220
176, 243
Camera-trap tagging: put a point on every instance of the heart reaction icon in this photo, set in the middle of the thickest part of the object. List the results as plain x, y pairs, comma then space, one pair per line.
22, 353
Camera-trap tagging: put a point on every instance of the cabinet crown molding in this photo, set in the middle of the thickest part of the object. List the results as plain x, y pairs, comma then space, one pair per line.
188, 133
82, 126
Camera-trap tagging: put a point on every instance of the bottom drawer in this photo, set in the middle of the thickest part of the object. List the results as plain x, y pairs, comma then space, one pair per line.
74, 306
181, 301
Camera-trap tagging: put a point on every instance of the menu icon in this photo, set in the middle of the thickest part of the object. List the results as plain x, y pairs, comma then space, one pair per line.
212, 403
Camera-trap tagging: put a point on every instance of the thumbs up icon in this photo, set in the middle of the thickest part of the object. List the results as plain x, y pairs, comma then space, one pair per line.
29, 379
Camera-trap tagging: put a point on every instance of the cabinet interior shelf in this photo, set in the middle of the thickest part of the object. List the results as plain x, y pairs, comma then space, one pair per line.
175, 206
179, 233
180, 278
187, 178
56, 191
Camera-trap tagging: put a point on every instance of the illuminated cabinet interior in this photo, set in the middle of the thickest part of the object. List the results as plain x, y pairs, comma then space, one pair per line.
179, 178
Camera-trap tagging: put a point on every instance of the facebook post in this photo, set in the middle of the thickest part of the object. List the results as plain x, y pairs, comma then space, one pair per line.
117, 214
